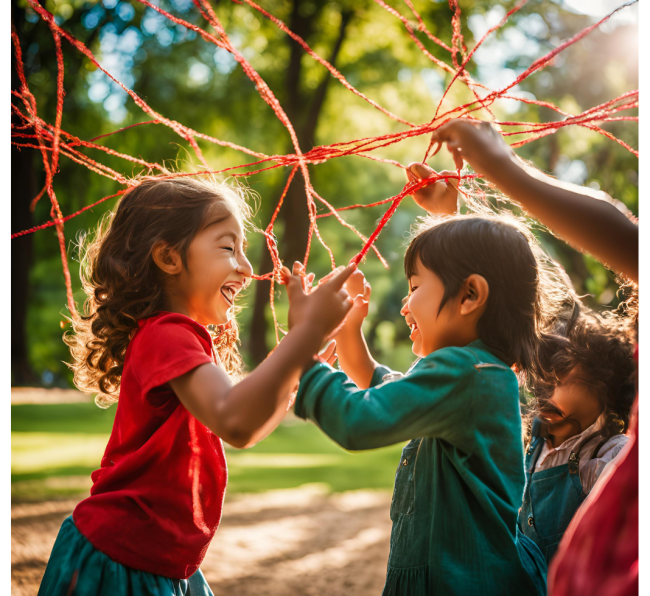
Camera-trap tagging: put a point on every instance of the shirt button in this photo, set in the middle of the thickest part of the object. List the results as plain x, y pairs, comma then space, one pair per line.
405, 462
531, 521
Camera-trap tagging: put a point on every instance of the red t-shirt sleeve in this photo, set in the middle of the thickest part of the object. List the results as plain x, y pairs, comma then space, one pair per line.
168, 348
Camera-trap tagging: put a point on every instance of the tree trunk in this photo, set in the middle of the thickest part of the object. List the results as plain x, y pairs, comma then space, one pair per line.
23, 190
304, 114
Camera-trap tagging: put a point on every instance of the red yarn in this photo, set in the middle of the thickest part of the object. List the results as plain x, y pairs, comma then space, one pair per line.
53, 141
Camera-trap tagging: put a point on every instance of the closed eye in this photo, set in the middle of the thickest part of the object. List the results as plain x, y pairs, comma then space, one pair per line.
230, 248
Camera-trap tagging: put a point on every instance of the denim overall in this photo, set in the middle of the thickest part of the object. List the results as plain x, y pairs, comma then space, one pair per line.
551, 496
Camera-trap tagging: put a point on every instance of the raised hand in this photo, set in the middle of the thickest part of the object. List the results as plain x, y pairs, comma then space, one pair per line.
478, 143
439, 198
359, 290
324, 307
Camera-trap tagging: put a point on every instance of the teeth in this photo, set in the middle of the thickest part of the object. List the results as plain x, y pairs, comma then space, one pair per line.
228, 293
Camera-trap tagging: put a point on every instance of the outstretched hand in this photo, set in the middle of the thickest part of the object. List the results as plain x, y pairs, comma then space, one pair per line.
439, 198
323, 308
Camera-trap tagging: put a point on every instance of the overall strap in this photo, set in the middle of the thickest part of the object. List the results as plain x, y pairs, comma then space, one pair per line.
574, 458
534, 448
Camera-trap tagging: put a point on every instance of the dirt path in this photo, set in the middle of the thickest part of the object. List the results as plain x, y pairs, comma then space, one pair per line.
280, 543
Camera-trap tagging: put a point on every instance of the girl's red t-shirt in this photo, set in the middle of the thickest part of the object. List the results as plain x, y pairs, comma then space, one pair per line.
156, 501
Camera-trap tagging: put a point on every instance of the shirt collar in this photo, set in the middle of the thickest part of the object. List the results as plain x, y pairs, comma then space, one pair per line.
595, 427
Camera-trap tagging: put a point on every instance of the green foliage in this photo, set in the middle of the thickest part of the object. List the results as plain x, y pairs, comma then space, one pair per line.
187, 79
56, 447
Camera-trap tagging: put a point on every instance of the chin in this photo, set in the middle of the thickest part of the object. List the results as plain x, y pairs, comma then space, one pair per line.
417, 350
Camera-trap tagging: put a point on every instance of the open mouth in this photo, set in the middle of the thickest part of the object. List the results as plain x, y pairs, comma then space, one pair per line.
229, 291
414, 328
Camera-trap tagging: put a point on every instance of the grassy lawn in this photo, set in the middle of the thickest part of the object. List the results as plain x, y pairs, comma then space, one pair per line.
56, 447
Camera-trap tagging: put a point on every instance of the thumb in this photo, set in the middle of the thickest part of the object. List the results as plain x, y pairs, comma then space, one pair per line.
421, 170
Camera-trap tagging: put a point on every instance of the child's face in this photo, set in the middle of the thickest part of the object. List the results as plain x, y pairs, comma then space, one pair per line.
574, 406
430, 330
217, 269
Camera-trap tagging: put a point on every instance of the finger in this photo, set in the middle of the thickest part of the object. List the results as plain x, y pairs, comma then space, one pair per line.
329, 276
285, 275
367, 290
298, 268
328, 351
294, 286
455, 150
421, 170
452, 178
340, 278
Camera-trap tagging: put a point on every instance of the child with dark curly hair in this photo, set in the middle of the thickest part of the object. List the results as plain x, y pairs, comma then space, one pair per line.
578, 419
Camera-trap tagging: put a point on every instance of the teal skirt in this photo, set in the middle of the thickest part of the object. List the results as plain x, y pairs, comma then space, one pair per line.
77, 568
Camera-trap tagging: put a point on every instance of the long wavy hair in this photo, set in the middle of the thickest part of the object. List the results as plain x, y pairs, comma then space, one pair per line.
124, 285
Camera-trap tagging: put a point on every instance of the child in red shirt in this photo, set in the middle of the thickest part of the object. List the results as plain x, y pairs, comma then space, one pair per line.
166, 265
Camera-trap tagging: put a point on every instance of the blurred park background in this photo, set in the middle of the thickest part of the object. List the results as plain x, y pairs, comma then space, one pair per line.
55, 446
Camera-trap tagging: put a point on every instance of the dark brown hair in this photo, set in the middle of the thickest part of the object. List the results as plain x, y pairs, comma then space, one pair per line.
523, 295
602, 347
124, 285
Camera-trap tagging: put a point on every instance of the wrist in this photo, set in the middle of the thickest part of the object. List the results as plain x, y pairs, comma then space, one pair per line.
506, 172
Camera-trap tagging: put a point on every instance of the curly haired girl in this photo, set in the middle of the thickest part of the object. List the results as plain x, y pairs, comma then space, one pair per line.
166, 265
580, 412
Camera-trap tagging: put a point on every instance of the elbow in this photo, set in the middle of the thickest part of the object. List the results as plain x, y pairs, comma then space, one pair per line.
234, 433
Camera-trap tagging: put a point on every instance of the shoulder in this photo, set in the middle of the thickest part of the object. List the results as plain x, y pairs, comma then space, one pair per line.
612, 448
473, 358
171, 324
170, 331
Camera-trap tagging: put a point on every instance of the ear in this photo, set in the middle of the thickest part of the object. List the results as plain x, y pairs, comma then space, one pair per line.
474, 295
167, 258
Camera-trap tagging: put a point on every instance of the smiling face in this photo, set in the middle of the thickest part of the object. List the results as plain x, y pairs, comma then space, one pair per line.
428, 327
455, 324
217, 270
573, 407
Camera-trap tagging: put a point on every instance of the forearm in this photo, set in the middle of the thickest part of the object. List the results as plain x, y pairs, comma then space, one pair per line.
575, 215
353, 418
354, 357
258, 403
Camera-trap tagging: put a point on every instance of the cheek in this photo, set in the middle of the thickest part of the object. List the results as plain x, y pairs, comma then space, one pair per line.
576, 399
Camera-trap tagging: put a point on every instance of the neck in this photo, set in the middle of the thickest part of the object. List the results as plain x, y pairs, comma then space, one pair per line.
174, 303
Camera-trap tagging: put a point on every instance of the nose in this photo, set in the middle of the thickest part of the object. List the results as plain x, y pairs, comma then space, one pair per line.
244, 266
405, 309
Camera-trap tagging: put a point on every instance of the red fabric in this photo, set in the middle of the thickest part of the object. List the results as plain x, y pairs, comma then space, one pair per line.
156, 501
599, 554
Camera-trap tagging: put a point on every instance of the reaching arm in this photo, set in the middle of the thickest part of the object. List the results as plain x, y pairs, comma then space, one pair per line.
587, 219
433, 400
245, 413
354, 355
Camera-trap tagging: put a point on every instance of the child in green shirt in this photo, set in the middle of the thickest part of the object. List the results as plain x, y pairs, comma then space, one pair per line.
477, 303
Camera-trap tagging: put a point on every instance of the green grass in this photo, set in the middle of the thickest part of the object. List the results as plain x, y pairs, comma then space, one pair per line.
55, 448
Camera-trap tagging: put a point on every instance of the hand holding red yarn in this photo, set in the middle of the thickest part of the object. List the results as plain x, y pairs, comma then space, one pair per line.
439, 198
477, 143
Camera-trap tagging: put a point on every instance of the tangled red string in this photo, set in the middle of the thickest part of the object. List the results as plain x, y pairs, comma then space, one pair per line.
52, 141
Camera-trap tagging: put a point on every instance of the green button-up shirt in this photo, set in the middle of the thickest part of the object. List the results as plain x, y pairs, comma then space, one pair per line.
460, 480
